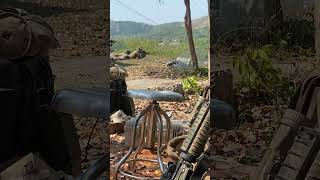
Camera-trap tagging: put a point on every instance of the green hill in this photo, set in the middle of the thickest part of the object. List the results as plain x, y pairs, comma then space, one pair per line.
162, 32
128, 28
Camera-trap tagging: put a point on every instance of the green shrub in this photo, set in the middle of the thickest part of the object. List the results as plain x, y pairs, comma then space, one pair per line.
258, 75
190, 85
168, 50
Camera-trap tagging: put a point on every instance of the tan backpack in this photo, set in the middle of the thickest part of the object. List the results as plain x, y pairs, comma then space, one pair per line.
23, 34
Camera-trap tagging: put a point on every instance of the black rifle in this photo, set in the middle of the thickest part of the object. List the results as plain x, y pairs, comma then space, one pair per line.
194, 161
192, 150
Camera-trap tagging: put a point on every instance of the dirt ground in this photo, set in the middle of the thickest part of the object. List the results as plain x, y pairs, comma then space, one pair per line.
87, 71
235, 153
78, 70
150, 73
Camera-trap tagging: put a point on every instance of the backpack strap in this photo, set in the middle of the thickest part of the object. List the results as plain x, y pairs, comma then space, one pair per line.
46, 66
40, 80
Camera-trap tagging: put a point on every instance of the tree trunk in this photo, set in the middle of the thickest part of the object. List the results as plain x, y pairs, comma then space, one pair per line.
317, 30
188, 26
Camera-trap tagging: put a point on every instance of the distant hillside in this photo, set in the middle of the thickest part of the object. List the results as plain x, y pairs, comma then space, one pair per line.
128, 28
164, 32
200, 23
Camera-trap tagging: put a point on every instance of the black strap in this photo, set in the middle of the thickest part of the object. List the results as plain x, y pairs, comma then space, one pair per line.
39, 77
50, 81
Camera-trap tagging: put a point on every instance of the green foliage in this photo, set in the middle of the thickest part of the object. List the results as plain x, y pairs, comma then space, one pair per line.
162, 49
134, 43
153, 47
190, 85
259, 76
308, 52
167, 40
167, 32
162, 32
201, 46
201, 72
299, 33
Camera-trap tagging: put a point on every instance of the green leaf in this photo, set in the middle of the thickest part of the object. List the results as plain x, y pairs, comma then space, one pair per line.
190, 84
268, 49
263, 55
240, 66
258, 74
254, 55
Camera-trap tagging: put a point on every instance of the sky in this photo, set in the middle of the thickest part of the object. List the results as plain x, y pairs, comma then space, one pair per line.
153, 12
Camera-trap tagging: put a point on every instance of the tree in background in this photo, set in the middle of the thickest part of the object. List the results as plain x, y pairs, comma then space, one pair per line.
188, 27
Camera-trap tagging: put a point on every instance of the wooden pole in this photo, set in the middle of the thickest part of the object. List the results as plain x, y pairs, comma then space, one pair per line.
317, 29
188, 27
